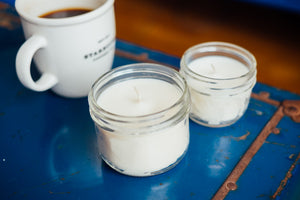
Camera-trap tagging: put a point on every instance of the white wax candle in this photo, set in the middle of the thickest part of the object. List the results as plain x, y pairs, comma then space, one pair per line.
141, 154
220, 67
215, 107
138, 97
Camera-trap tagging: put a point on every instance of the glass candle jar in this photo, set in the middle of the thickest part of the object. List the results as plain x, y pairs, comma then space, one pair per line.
220, 77
141, 116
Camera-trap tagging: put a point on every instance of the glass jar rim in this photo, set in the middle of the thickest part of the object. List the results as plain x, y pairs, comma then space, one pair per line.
126, 69
221, 47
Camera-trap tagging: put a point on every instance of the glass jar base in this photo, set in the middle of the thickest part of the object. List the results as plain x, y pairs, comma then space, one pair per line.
140, 173
213, 125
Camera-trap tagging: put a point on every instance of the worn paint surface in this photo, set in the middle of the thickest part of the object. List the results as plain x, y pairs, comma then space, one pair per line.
48, 151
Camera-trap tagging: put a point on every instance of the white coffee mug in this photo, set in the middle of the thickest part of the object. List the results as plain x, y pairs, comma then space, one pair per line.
71, 52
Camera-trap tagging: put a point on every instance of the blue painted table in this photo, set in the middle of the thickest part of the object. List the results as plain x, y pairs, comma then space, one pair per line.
48, 151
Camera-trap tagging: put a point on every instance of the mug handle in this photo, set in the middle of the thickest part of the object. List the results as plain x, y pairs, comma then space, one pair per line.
23, 62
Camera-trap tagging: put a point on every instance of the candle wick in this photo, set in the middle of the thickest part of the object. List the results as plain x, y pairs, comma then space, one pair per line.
213, 68
138, 96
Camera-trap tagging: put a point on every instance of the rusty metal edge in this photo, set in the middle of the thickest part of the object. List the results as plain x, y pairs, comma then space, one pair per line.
230, 182
288, 175
143, 57
265, 97
290, 108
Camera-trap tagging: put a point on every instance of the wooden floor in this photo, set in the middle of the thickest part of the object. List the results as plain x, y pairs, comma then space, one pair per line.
172, 26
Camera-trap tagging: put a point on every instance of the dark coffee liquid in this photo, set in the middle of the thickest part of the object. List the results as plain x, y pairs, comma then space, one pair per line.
69, 12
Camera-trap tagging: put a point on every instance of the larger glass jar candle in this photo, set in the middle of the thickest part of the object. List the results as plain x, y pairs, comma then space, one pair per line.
220, 77
141, 117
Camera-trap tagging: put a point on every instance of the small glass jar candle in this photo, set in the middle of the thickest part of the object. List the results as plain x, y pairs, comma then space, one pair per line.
220, 77
141, 116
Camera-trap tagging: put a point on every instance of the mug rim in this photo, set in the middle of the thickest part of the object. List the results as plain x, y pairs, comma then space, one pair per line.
64, 21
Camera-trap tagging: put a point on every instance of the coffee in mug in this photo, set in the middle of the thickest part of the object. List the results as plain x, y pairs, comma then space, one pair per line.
71, 12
